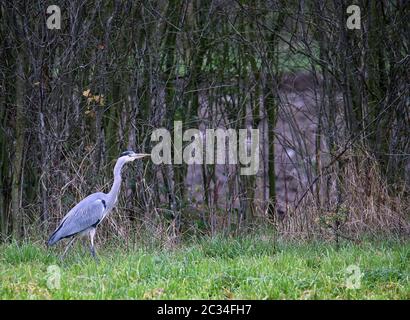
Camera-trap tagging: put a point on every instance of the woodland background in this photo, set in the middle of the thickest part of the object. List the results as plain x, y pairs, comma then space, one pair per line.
332, 106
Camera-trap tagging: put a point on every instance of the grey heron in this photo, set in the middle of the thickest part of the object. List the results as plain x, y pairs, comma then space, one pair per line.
84, 218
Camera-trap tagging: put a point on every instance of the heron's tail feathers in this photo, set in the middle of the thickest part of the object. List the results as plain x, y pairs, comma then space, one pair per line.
54, 238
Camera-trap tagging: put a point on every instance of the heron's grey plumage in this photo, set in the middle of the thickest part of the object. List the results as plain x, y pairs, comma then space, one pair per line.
91, 211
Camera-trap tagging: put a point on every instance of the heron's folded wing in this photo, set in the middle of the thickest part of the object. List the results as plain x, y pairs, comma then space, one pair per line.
82, 217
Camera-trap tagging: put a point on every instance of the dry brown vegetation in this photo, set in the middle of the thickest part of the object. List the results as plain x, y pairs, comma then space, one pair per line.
331, 104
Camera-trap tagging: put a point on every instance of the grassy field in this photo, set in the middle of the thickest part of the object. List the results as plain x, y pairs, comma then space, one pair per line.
209, 269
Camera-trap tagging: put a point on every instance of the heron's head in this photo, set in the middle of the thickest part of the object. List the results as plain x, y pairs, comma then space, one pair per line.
131, 155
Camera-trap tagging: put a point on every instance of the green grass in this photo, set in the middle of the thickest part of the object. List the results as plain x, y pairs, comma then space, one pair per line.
248, 268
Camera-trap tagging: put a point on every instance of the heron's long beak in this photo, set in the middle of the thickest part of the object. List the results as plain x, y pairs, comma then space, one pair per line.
141, 155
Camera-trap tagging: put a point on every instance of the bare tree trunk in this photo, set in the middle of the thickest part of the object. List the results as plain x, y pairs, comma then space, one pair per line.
16, 211
271, 113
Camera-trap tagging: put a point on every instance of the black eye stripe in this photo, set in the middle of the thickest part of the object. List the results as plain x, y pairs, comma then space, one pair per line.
126, 153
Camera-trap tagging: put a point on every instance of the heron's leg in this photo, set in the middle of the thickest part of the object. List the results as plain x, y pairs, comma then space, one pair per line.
67, 247
92, 234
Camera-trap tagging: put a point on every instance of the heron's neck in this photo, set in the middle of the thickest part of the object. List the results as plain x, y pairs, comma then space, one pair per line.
115, 189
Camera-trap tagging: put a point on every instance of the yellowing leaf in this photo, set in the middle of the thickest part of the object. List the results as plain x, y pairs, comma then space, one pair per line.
228, 294
154, 293
86, 93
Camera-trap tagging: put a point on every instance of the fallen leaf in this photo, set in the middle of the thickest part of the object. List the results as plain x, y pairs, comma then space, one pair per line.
154, 293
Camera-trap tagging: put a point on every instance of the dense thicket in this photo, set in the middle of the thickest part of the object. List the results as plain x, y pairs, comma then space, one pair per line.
72, 99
